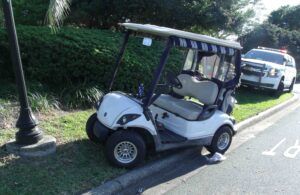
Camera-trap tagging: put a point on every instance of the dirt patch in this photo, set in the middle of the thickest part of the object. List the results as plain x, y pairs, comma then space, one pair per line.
9, 113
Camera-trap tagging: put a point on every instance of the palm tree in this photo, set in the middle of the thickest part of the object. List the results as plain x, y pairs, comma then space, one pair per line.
57, 12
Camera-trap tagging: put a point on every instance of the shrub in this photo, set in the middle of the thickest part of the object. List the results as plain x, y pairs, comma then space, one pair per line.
75, 56
30, 12
42, 102
81, 96
39, 96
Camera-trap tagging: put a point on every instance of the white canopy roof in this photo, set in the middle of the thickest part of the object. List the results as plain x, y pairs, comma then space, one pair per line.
166, 32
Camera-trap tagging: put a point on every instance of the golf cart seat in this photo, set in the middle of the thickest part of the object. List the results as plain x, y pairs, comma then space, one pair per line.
204, 91
186, 109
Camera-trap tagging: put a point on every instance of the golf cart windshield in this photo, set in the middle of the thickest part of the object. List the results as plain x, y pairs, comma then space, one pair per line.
210, 65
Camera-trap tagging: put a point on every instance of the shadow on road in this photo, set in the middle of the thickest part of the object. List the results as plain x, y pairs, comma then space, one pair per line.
181, 168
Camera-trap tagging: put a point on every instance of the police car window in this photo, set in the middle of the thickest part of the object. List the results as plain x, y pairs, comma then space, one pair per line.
289, 61
265, 56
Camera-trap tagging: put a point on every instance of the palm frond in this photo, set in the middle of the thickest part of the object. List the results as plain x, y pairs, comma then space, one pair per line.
57, 12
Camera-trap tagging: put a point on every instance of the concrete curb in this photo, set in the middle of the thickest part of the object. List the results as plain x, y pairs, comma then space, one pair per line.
44, 147
132, 177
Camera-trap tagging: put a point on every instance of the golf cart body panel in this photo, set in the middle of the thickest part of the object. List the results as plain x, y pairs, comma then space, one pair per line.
192, 129
195, 110
115, 105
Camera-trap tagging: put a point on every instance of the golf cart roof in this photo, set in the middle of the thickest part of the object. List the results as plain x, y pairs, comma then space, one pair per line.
167, 32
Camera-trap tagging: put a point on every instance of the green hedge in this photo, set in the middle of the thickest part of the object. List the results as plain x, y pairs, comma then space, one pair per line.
76, 56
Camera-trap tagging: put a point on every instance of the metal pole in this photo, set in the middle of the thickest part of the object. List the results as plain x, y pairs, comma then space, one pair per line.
119, 59
158, 71
28, 132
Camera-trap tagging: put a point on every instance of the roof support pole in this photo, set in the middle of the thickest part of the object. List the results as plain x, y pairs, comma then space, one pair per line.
158, 71
119, 59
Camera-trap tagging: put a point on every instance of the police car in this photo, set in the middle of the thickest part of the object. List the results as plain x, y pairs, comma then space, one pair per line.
270, 69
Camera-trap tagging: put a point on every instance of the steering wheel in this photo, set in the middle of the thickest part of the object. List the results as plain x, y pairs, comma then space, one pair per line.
173, 81
199, 75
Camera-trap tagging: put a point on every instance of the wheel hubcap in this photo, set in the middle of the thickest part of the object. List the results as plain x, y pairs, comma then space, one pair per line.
125, 152
223, 141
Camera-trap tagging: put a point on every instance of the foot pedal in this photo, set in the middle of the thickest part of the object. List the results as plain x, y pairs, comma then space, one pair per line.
160, 126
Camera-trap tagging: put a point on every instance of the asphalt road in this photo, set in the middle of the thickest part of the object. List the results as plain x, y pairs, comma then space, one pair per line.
263, 159
268, 164
297, 88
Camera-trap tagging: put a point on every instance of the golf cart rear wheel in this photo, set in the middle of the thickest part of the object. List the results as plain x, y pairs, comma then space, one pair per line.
221, 140
125, 149
90, 128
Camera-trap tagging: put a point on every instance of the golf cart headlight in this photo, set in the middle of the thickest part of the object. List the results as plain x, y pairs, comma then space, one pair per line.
127, 118
273, 72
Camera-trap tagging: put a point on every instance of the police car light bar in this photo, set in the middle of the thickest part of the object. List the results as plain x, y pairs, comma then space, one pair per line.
272, 49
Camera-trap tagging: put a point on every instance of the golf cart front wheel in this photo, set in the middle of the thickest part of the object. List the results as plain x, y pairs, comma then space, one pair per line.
221, 140
90, 128
125, 149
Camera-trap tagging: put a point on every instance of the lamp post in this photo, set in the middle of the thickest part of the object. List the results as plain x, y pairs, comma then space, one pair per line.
28, 133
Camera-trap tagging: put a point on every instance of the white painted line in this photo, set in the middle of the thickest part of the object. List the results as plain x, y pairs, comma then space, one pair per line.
272, 151
292, 151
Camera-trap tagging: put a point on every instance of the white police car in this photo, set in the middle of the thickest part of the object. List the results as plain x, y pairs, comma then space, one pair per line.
269, 68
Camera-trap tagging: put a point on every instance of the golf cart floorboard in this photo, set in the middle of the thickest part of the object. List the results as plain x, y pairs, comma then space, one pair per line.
167, 136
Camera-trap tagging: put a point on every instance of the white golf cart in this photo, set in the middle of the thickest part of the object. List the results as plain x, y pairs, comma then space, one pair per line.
195, 111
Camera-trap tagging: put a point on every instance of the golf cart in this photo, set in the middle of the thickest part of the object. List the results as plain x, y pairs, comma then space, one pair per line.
194, 110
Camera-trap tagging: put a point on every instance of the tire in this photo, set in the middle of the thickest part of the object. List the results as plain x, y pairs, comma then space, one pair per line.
89, 128
279, 90
292, 85
131, 141
215, 145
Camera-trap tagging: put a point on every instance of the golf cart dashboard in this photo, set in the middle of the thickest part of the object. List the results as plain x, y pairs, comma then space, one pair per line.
130, 96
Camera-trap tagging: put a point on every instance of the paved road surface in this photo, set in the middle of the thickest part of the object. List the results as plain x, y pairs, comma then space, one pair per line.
268, 164
297, 88
263, 159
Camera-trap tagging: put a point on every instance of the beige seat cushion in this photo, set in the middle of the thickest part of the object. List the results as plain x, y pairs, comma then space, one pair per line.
205, 91
184, 108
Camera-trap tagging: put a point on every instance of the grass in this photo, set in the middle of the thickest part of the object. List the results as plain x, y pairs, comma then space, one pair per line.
78, 164
251, 102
